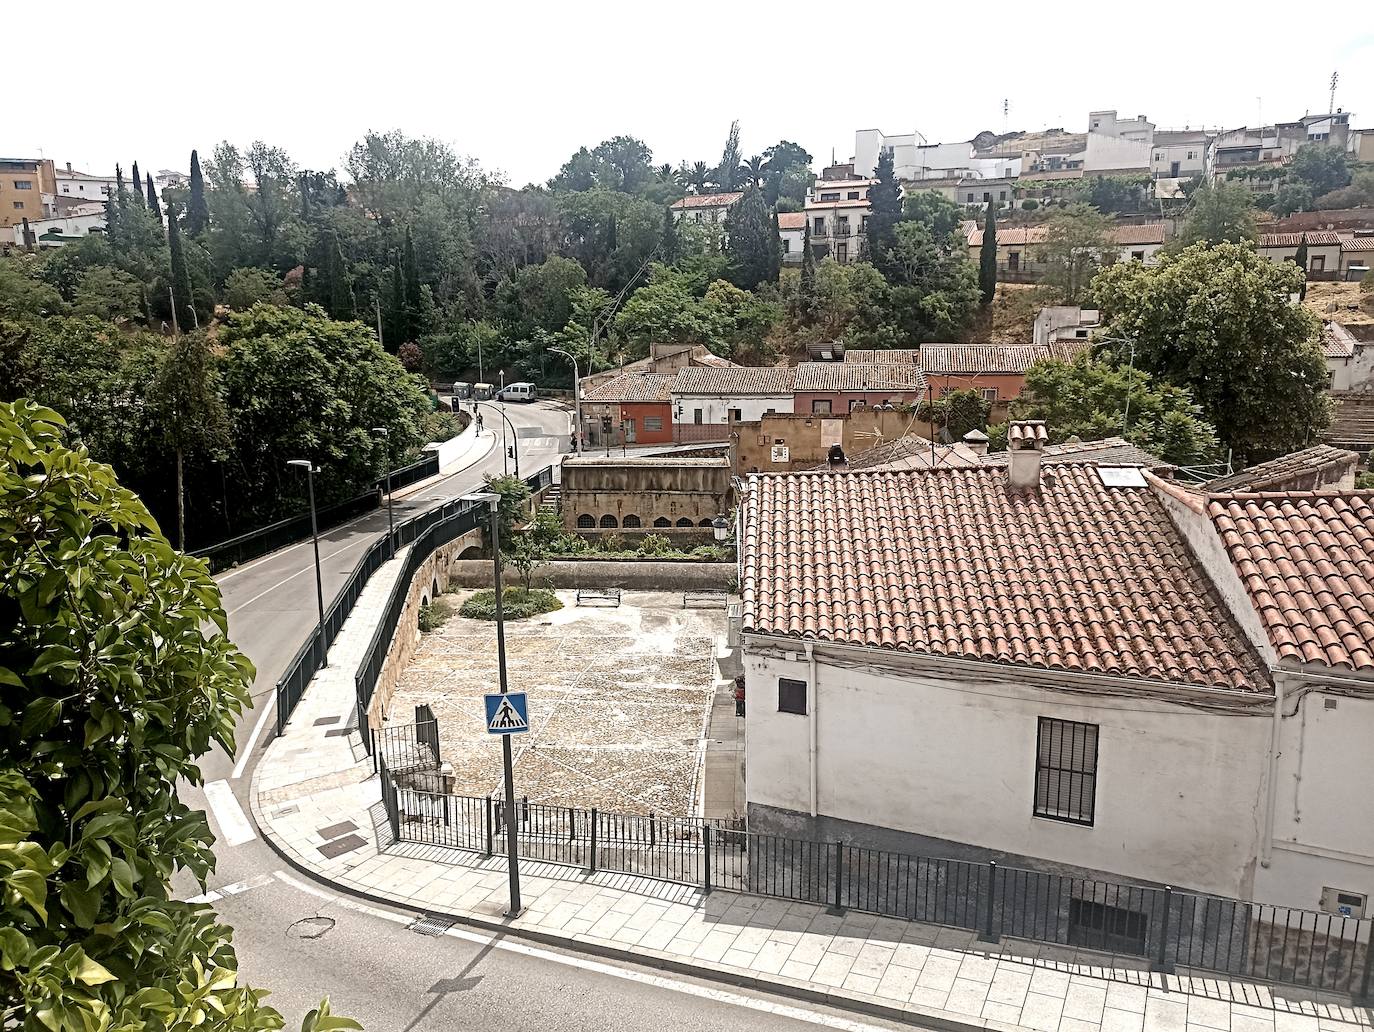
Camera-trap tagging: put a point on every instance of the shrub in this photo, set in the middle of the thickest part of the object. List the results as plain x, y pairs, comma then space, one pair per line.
1367, 282
655, 544
434, 615
516, 603
1029, 204
611, 543
1364, 481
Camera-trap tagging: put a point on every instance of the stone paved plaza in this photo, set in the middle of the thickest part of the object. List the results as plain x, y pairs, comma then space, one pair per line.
618, 701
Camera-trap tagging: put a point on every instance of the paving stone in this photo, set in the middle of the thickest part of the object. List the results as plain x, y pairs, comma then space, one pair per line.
1166, 1015
335, 830
1042, 1012
939, 972
1114, 1020
1211, 1013
1084, 1002
833, 969
967, 997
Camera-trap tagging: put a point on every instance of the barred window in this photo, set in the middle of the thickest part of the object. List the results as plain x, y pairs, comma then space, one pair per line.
653, 422
630, 521
663, 521
585, 520
791, 696
1066, 771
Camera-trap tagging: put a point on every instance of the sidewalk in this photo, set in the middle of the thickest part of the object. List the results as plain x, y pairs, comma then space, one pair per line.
316, 802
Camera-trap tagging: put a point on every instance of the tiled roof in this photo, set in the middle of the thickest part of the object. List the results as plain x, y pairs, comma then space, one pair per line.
1122, 236
1076, 576
1356, 242
634, 387
1336, 341
1287, 471
710, 200
1315, 238
733, 381
1009, 235
1352, 424
981, 358
858, 376
910, 452
1144, 233
1307, 562
910, 356
791, 220
1110, 451
816, 205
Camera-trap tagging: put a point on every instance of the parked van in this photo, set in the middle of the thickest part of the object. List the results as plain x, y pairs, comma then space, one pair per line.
483, 391
462, 390
518, 392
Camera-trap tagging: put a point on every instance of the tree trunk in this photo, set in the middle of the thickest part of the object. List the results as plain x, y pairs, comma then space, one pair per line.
181, 507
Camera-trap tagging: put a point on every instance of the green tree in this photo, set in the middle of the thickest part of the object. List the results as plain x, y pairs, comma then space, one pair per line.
670, 246
341, 302
1320, 167
933, 284
187, 410
511, 510
987, 258
107, 293
1300, 260
1218, 213
22, 294
885, 197
788, 173
1360, 193
118, 675
529, 549
184, 310
538, 297
728, 176
959, 412
243, 288
197, 211
137, 183
1292, 196
1089, 398
699, 178
806, 297
1220, 322
752, 241
153, 204
414, 302
1075, 247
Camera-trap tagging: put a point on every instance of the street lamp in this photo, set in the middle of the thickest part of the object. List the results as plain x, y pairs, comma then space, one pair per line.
577, 397
720, 528
507, 451
385, 434
492, 499
310, 471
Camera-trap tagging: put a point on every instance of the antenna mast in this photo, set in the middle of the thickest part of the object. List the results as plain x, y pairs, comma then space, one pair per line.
1331, 104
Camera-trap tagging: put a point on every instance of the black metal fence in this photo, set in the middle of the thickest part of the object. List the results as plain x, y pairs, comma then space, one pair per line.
1159, 926
255, 543
414, 473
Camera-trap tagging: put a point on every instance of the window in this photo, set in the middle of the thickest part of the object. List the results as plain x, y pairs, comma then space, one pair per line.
1137, 256
608, 520
1066, 771
1191, 155
1013, 260
735, 415
18, 205
663, 521
830, 196
684, 522
987, 195
696, 415
842, 253
853, 195
630, 521
23, 184
970, 198
863, 223
1318, 263
787, 247
842, 226
791, 696
585, 521
699, 218
706, 523
1098, 926
819, 227
854, 405
989, 393
653, 423
1002, 196
821, 407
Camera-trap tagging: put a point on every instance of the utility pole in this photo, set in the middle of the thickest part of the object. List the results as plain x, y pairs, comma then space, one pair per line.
377, 306
1331, 105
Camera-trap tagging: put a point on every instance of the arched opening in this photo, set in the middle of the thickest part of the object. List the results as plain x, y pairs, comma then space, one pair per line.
608, 520
705, 523
472, 552
630, 521
684, 522
434, 588
663, 521
586, 521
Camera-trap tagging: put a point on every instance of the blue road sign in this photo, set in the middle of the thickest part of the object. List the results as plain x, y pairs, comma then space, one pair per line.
507, 714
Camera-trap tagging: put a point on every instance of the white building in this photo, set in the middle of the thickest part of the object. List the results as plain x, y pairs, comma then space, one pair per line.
1105, 123
706, 396
1349, 361
67, 228
1057, 323
792, 236
1179, 154
1323, 250
838, 211
1105, 153
83, 185
705, 209
1083, 671
913, 159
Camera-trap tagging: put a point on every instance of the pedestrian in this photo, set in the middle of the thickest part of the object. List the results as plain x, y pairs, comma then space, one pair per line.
479, 424
739, 696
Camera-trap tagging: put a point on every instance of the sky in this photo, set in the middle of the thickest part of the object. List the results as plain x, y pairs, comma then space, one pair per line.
520, 86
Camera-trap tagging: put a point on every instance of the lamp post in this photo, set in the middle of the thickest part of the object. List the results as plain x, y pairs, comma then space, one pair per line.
720, 529
310, 471
507, 451
577, 397
492, 499
385, 434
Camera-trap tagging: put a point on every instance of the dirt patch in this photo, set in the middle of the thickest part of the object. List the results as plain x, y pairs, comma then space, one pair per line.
617, 696
1342, 302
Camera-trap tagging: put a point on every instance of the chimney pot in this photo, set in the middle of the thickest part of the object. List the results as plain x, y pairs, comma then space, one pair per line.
69, 166
1025, 443
976, 442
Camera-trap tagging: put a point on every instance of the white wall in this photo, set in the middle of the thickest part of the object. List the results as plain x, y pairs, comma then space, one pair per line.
795, 244
72, 225
1104, 153
89, 189
1163, 155
1178, 796
715, 409
1354, 372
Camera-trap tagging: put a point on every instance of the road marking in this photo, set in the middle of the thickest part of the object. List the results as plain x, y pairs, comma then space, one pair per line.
214, 895
783, 1010
252, 740
293, 576
233, 824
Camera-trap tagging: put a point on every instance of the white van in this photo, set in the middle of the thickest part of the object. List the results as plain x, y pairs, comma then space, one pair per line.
518, 392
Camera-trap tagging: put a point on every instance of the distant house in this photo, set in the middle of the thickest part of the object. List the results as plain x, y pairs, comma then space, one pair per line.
1349, 361
706, 400
1310, 469
633, 408
1323, 250
822, 388
838, 210
1017, 246
995, 371
705, 209
792, 236
1056, 323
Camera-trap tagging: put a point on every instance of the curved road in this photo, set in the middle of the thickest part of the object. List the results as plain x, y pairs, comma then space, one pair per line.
303, 941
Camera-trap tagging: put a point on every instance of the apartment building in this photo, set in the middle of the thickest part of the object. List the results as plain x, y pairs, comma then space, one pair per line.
27, 189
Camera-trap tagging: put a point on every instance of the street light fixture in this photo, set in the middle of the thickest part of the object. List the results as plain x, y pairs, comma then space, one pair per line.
492, 499
385, 434
310, 471
507, 450
577, 397
720, 527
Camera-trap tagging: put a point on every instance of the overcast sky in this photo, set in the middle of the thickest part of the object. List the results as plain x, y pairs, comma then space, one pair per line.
521, 85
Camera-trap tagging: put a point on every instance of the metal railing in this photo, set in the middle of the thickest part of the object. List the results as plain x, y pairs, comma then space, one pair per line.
255, 543
414, 473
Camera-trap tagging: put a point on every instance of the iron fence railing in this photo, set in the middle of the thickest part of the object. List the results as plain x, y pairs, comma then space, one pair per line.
1157, 924
255, 543
412, 474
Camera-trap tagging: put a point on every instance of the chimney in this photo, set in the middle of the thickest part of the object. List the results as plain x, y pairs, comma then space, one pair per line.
977, 442
69, 166
1025, 443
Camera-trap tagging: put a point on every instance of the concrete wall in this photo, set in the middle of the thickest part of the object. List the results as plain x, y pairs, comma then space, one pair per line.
715, 409
631, 574
649, 489
1109, 153
1355, 372
806, 437
455, 448
1178, 793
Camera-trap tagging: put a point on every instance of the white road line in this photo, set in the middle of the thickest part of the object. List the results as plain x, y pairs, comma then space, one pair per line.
292, 576
214, 895
267, 709
233, 823
783, 1010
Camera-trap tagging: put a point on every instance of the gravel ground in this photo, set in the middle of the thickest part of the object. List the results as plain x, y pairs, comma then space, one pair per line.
618, 699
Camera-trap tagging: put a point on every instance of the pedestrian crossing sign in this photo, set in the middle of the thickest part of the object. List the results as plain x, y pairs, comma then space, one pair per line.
507, 714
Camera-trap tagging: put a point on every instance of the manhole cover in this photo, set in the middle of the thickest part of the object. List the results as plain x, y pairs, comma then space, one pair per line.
309, 927
431, 924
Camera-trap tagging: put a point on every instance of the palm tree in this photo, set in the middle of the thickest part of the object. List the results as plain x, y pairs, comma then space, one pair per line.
754, 169
698, 177
664, 173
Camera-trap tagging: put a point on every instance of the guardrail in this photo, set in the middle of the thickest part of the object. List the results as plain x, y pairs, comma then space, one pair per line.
255, 543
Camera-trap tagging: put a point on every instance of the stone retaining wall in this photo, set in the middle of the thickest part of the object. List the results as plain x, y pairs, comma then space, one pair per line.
643, 575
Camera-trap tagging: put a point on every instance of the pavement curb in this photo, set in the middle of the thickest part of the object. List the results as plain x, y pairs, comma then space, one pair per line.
476, 455
939, 1020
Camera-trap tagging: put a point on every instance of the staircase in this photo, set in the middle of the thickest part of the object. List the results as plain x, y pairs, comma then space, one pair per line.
553, 498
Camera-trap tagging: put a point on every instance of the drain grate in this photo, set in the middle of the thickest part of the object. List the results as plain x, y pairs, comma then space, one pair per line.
431, 924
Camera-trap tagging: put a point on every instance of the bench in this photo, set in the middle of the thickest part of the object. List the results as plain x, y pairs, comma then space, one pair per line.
704, 596
598, 595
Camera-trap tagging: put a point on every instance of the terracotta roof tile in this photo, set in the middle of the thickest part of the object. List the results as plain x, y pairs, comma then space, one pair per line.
1286, 471
1111, 451
981, 358
1307, 561
1315, 238
858, 376
911, 356
634, 387
710, 200
791, 220
1336, 341
1074, 576
1141, 233
733, 381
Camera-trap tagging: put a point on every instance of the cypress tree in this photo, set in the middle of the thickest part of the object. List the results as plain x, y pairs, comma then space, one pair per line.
775, 252
751, 241
138, 186
341, 303
183, 304
153, 204
197, 211
412, 290
1301, 258
119, 180
885, 196
669, 245
396, 315
807, 294
113, 202
987, 258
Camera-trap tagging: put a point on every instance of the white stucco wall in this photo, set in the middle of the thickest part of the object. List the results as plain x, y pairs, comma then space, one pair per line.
72, 225
1178, 792
1354, 372
716, 409
1104, 153
794, 241
1163, 155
